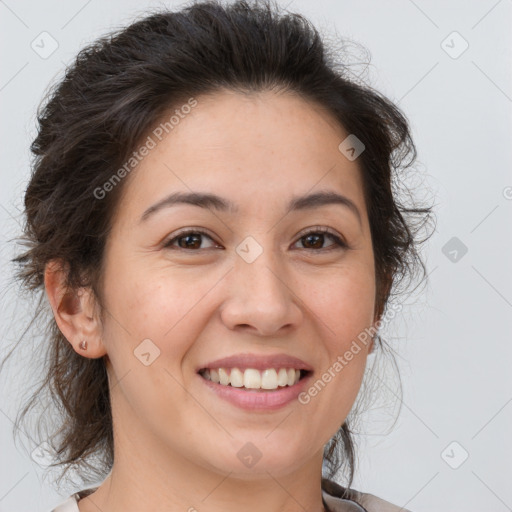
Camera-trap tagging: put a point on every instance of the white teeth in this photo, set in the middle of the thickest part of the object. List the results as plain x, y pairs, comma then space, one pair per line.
251, 378
236, 378
268, 379
214, 375
282, 377
223, 376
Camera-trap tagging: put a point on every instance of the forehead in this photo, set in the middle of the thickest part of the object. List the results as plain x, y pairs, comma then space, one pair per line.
258, 149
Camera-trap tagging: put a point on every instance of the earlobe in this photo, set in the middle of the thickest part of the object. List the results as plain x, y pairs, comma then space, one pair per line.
73, 311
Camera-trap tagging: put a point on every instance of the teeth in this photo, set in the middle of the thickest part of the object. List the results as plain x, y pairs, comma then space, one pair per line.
251, 378
282, 377
236, 378
223, 376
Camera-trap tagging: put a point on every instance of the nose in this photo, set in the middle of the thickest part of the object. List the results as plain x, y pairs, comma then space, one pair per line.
260, 298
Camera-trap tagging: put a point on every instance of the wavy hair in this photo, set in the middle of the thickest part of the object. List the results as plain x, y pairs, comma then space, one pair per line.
113, 94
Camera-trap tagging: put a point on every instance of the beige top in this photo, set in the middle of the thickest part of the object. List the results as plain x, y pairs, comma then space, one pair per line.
335, 499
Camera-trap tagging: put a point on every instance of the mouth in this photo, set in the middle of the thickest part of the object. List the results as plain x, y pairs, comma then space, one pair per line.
253, 379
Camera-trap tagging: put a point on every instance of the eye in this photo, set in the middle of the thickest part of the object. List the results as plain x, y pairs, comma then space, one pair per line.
316, 237
190, 240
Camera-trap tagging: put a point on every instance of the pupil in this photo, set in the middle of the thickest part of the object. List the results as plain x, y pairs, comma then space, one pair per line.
188, 243
318, 237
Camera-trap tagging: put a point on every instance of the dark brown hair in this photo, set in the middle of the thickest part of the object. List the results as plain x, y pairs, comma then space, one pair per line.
92, 120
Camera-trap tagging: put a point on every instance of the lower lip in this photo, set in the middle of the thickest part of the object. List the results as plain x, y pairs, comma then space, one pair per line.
258, 400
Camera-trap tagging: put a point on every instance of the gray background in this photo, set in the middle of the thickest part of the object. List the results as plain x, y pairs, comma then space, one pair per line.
452, 337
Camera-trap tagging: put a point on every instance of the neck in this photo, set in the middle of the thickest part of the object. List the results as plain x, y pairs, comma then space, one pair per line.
147, 476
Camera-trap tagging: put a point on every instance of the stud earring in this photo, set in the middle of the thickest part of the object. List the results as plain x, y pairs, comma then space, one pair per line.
83, 345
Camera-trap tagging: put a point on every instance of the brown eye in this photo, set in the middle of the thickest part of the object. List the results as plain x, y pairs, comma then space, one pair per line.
188, 240
315, 239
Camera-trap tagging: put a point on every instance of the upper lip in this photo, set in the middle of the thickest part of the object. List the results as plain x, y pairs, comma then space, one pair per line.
258, 362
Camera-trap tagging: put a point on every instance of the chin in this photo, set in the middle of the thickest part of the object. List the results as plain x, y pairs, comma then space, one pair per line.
251, 460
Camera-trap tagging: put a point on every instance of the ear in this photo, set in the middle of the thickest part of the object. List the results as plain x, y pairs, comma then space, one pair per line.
74, 310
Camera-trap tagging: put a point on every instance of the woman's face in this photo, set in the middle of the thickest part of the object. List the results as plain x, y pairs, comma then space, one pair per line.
253, 285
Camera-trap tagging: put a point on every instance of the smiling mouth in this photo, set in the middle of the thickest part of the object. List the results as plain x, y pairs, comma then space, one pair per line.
252, 379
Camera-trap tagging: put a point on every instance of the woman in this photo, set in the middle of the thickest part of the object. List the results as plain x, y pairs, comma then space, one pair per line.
211, 216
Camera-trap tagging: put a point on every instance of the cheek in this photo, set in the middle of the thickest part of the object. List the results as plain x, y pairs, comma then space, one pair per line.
164, 307
342, 307
150, 331
344, 301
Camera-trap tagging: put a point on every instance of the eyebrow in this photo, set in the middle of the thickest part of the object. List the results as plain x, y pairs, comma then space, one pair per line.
212, 201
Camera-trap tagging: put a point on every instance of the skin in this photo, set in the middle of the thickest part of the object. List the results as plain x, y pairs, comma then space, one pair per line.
176, 443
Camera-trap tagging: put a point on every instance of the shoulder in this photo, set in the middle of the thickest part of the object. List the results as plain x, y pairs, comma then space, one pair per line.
70, 505
375, 504
336, 499
340, 499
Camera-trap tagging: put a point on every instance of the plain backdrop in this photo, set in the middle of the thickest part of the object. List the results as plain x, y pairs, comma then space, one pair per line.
448, 66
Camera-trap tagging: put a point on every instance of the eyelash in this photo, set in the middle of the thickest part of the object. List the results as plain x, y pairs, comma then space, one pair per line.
341, 244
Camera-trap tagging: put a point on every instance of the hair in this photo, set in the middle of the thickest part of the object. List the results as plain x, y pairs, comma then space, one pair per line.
118, 89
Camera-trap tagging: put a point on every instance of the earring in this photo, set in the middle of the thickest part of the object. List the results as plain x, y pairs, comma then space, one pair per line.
83, 345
